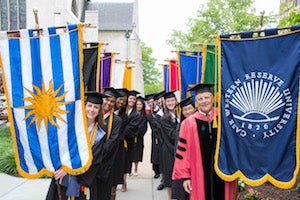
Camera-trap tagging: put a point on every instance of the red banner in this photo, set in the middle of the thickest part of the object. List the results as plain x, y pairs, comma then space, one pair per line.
174, 75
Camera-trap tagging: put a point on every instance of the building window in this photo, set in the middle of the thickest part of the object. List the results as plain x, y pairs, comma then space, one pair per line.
75, 7
12, 14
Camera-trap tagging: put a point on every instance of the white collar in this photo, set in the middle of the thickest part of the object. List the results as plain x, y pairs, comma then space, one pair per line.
205, 114
106, 115
117, 112
175, 117
173, 114
160, 112
90, 128
129, 111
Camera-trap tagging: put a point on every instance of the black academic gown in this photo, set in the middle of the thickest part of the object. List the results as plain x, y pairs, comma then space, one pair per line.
170, 129
108, 154
155, 138
130, 133
158, 115
117, 176
214, 185
138, 146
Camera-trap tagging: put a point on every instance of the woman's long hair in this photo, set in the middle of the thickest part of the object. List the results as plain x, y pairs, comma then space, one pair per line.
99, 118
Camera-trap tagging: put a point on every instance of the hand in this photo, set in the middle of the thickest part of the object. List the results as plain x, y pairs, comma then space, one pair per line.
187, 186
59, 175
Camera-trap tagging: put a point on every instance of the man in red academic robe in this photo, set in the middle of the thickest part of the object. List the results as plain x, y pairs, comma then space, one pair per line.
194, 161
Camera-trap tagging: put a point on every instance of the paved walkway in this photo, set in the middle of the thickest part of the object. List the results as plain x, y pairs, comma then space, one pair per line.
139, 187
12, 188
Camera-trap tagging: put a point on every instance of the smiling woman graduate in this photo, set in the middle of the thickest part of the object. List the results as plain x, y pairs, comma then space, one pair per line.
83, 186
138, 147
169, 129
112, 125
132, 124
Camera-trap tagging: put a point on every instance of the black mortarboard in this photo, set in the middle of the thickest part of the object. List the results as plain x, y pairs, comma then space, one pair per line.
186, 102
149, 96
110, 91
140, 98
122, 92
94, 97
159, 95
202, 87
133, 93
169, 95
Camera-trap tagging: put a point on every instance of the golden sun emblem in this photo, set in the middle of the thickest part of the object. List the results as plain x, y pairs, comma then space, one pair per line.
45, 105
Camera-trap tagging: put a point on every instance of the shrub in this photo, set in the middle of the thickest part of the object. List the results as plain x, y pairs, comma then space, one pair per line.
7, 159
252, 194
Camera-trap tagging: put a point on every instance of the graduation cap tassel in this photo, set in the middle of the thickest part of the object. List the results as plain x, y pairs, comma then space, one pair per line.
215, 124
217, 79
110, 120
93, 134
125, 144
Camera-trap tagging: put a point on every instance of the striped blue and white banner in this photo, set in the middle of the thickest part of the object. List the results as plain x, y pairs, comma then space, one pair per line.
44, 93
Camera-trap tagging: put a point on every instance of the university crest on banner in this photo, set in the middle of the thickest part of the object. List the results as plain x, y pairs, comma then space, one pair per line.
43, 85
258, 138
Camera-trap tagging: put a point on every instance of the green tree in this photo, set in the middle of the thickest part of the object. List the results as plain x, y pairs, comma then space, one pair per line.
151, 74
291, 17
153, 88
216, 17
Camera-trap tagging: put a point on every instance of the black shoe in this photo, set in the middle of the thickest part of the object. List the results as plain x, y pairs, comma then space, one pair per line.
156, 176
160, 187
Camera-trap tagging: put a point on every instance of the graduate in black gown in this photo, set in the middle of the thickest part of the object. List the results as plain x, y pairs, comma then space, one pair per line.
117, 171
74, 186
155, 139
187, 107
112, 125
138, 147
130, 128
170, 127
156, 105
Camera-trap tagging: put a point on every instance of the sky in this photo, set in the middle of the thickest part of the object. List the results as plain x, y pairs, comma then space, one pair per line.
157, 19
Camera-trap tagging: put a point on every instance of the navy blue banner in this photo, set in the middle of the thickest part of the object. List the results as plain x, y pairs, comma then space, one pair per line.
190, 70
166, 80
259, 134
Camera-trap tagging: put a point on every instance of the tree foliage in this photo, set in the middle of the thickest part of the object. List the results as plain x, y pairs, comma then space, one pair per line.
153, 88
151, 74
292, 17
216, 17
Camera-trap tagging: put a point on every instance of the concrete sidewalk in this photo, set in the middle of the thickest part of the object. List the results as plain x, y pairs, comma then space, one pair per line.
12, 188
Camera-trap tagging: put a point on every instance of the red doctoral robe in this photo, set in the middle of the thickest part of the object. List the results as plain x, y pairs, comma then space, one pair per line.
190, 166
